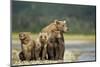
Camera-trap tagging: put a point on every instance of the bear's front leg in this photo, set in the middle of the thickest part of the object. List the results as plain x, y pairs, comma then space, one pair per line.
44, 52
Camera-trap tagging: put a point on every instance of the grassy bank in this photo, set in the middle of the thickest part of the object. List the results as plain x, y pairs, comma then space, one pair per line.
79, 37
66, 36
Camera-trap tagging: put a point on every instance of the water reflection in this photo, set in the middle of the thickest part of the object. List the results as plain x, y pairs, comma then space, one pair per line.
80, 51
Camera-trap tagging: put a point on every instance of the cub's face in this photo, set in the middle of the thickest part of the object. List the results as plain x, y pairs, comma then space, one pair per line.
43, 36
61, 25
23, 35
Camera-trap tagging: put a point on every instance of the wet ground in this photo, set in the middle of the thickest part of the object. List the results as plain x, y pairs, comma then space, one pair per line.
75, 51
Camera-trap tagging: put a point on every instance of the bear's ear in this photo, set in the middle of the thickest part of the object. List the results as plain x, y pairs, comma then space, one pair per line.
40, 33
21, 33
56, 22
64, 21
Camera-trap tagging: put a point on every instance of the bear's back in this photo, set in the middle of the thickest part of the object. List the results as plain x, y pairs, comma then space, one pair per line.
49, 28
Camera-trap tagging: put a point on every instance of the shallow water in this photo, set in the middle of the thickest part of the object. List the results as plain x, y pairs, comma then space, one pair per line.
86, 49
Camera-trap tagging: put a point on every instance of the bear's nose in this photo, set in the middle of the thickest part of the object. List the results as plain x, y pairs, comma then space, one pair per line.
43, 39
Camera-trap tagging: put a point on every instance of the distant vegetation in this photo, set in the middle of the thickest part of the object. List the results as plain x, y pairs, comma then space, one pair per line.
33, 16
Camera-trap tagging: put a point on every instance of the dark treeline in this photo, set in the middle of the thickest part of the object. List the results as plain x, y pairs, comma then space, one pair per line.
33, 16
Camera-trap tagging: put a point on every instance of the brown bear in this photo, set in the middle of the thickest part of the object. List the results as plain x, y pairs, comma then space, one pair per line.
41, 46
27, 46
52, 47
61, 26
56, 25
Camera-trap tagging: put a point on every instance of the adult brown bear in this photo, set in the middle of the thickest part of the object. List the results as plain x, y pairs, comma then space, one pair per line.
52, 46
61, 26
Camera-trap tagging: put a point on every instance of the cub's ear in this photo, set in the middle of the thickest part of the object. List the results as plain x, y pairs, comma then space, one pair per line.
47, 33
40, 33
20, 33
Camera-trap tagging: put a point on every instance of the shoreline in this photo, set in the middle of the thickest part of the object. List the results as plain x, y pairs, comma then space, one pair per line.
66, 41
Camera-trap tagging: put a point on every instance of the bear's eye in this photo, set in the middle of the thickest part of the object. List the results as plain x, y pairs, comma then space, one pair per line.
63, 25
40, 36
23, 34
45, 37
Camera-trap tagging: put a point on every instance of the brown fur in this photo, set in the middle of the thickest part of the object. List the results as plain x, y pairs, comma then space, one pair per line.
56, 25
21, 56
41, 46
27, 46
52, 46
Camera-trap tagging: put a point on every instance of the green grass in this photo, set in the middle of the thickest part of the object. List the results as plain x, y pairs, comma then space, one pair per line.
79, 37
66, 36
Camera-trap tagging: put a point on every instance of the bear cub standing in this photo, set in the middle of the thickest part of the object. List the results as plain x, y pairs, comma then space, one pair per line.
41, 46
